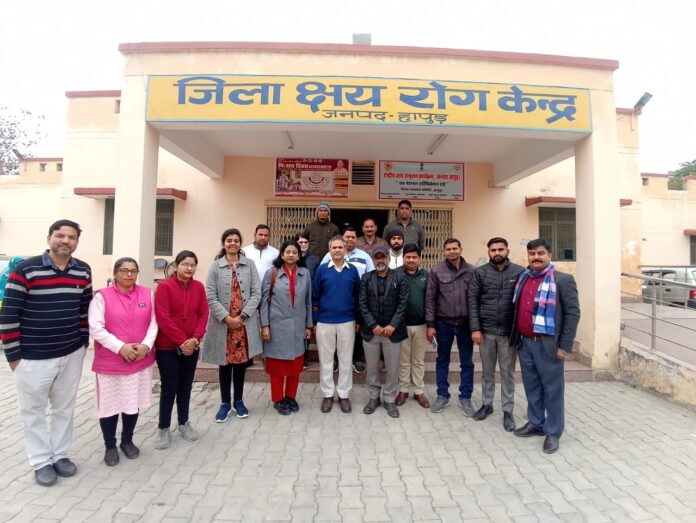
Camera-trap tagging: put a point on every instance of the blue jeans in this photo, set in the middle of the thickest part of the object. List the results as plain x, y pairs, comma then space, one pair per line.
543, 381
445, 337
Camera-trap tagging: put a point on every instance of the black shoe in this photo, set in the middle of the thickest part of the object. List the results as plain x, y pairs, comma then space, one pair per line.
46, 476
111, 457
551, 444
508, 421
130, 450
65, 468
359, 367
483, 413
282, 407
391, 409
292, 404
528, 430
372, 406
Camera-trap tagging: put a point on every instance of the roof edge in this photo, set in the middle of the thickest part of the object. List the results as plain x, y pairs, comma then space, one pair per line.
92, 94
506, 56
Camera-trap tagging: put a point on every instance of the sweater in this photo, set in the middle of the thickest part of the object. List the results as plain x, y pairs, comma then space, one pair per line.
117, 318
44, 313
181, 310
335, 293
415, 311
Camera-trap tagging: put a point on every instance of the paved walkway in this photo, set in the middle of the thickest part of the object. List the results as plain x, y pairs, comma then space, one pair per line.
626, 456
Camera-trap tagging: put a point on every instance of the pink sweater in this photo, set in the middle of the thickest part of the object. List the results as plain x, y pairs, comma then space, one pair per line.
127, 316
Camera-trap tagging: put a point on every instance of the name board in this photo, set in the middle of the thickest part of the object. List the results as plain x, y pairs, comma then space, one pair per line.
421, 180
311, 177
375, 101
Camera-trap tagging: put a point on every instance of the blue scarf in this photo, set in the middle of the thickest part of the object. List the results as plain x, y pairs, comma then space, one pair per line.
544, 301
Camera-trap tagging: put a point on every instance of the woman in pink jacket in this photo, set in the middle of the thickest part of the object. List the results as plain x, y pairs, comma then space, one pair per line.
122, 323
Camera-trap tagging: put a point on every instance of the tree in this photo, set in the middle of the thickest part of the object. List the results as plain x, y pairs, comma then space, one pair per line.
685, 169
19, 132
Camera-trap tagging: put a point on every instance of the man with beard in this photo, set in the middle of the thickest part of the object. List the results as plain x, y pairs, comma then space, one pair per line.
547, 312
396, 251
490, 319
411, 231
260, 252
321, 231
446, 315
383, 301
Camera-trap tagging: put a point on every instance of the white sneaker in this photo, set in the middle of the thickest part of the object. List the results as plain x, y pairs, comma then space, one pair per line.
187, 432
162, 439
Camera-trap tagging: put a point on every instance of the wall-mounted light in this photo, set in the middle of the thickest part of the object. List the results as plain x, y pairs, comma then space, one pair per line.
436, 144
638, 108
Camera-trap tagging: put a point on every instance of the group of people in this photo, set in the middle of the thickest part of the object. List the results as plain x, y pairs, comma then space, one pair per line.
368, 300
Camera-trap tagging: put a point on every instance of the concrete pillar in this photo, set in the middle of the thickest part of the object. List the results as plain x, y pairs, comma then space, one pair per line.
136, 181
598, 235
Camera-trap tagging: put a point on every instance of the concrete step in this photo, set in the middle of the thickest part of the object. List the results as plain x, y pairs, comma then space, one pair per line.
574, 371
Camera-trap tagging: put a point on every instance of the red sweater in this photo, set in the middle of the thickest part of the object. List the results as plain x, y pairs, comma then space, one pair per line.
181, 311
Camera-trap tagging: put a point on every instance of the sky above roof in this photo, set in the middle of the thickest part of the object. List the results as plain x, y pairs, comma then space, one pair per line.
48, 47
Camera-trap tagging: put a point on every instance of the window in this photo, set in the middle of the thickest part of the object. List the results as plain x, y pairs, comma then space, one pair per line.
692, 245
108, 244
59, 167
164, 227
646, 181
42, 167
557, 226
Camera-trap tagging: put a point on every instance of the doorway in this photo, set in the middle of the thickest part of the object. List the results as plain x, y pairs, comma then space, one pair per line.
355, 217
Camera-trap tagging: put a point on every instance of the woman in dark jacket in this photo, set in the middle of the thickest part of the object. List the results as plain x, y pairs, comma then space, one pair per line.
311, 262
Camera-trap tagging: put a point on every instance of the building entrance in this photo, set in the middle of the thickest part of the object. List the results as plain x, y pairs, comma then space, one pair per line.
285, 221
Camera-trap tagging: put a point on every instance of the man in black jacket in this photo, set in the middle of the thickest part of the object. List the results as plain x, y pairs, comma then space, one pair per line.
490, 319
547, 312
383, 301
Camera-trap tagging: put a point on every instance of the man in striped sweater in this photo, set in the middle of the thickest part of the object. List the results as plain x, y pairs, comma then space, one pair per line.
44, 333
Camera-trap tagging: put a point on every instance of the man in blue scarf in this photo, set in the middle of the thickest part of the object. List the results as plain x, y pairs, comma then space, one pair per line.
547, 312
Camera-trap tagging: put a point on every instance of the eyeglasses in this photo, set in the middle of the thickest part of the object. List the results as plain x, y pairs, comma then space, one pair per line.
128, 272
188, 265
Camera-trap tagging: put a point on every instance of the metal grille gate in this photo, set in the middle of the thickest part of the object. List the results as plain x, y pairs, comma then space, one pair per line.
286, 222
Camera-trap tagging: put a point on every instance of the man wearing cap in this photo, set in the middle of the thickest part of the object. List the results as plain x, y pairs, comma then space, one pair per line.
320, 231
412, 360
383, 301
411, 231
396, 243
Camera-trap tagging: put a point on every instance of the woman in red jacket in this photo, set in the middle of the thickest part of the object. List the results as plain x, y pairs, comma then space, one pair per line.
181, 309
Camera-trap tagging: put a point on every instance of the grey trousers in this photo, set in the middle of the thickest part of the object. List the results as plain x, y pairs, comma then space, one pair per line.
392, 353
496, 348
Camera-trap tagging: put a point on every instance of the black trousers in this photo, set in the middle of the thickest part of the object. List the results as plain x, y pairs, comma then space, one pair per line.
232, 374
176, 380
108, 428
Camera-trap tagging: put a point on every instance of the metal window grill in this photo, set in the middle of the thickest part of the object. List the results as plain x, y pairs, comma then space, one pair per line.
108, 243
286, 222
557, 226
164, 227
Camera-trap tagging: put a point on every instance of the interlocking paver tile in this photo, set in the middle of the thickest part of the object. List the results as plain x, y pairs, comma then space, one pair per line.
626, 455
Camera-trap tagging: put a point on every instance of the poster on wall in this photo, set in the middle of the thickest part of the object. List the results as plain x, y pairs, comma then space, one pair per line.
421, 180
319, 177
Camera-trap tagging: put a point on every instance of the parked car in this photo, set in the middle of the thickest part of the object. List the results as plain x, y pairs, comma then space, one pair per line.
665, 292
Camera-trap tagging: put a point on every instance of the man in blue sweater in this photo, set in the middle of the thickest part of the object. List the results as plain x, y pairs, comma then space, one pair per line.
43, 328
335, 289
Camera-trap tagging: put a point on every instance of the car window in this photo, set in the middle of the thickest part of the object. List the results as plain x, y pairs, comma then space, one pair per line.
669, 275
